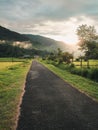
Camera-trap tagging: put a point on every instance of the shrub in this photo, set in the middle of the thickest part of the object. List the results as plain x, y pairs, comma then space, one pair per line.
72, 65
76, 71
85, 72
43, 58
88, 73
61, 66
93, 74
77, 59
52, 62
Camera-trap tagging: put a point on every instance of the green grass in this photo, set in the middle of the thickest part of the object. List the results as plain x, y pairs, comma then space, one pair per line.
10, 59
4, 65
12, 80
92, 63
84, 85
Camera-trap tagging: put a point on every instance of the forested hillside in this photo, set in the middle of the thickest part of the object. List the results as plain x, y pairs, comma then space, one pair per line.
6, 34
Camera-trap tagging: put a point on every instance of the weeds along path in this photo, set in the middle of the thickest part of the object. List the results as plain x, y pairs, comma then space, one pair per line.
49, 103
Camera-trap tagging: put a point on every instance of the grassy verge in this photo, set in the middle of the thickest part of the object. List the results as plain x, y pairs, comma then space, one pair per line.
84, 85
12, 59
12, 79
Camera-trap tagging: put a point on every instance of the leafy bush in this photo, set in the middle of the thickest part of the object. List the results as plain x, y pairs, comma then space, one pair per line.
77, 59
76, 71
88, 73
61, 66
51, 62
72, 65
93, 74
85, 72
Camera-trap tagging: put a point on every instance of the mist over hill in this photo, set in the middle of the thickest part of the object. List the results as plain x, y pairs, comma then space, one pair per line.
45, 43
35, 42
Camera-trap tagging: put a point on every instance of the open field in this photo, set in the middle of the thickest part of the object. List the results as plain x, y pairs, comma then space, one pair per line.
84, 85
11, 59
92, 63
4, 65
12, 80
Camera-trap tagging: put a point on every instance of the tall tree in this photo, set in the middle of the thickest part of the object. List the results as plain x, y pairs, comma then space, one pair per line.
67, 57
87, 37
59, 56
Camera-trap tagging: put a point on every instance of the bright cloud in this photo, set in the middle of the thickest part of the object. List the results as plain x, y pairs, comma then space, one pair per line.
51, 18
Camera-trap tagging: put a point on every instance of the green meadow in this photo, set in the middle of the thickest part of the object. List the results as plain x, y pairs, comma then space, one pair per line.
92, 63
12, 82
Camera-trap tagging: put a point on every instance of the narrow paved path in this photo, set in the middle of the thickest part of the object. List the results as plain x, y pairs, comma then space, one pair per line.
49, 103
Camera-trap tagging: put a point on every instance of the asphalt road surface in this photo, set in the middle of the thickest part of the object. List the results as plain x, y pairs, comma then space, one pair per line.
49, 103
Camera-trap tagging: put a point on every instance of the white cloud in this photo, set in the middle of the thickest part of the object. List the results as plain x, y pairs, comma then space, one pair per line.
56, 19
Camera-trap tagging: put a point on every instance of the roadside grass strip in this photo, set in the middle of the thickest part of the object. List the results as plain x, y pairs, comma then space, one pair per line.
89, 87
12, 81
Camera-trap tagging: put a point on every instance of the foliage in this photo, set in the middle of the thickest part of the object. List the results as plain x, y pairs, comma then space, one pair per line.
60, 56
88, 41
67, 56
86, 33
92, 52
7, 50
88, 73
52, 56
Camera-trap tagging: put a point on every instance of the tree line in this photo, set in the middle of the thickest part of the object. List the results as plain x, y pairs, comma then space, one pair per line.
88, 44
8, 50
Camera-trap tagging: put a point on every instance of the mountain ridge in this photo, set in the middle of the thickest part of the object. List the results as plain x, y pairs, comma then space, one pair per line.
7, 34
37, 41
42, 42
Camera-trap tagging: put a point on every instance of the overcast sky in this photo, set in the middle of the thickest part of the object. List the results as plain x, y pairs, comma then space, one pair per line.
56, 19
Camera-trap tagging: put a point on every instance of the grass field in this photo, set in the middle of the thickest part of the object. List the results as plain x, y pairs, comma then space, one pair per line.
5, 65
12, 80
84, 85
92, 63
10, 59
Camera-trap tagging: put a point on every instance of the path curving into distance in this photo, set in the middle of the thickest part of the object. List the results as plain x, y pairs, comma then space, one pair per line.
49, 103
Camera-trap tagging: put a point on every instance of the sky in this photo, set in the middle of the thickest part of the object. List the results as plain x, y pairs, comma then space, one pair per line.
57, 19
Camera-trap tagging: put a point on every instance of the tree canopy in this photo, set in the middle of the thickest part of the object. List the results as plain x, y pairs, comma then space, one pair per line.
88, 41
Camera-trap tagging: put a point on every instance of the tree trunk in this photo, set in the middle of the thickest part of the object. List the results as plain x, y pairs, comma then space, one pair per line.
81, 62
88, 63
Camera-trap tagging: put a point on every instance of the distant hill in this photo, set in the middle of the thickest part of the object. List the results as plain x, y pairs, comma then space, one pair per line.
6, 34
45, 43
37, 41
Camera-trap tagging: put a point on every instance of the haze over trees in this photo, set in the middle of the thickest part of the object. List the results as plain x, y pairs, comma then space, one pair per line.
88, 42
16, 44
